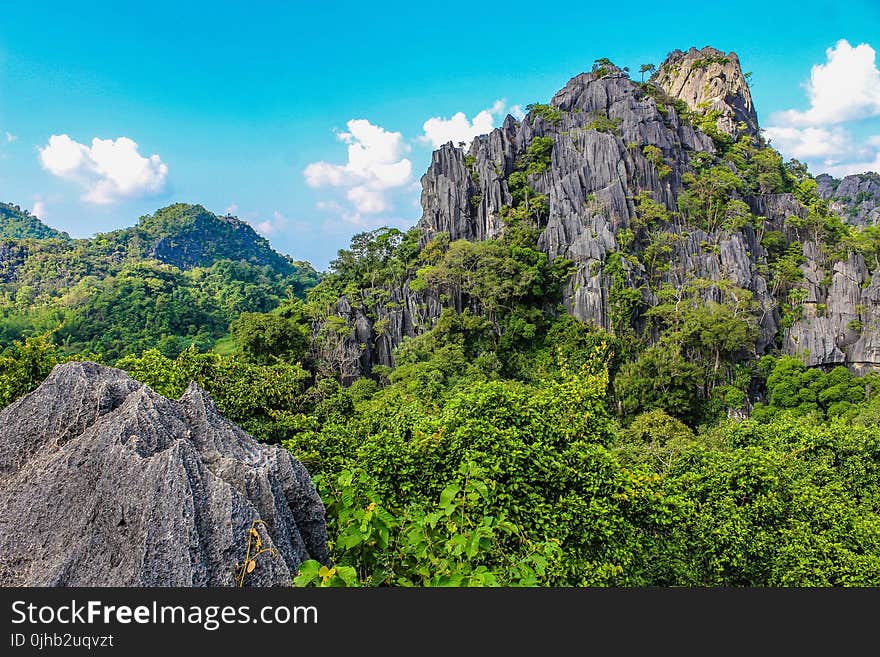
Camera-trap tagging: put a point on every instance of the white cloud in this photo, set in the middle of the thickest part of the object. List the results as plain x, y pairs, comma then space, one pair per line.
845, 88
841, 169
366, 200
39, 209
10, 137
810, 143
329, 206
231, 209
345, 217
272, 226
109, 170
458, 129
376, 165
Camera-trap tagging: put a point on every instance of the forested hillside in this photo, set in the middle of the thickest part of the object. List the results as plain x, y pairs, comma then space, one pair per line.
177, 278
16, 223
626, 344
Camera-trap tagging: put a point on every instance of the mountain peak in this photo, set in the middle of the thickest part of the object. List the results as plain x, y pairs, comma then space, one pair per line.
856, 197
187, 236
711, 80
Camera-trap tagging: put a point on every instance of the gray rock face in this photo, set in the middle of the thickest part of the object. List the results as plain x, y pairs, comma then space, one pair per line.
379, 327
105, 483
711, 79
840, 323
856, 197
598, 165
590, 184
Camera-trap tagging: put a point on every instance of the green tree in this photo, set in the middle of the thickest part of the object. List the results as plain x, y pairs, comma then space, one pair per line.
264, 337
24, 366
661, 378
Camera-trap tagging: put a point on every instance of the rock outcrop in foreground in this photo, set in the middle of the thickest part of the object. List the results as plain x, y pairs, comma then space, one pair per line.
105, 483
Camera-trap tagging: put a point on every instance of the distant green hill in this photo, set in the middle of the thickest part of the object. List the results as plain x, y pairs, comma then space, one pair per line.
178, 277
188, 236
16, 223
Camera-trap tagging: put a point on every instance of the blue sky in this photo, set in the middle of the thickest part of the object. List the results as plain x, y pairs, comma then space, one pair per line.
309, 119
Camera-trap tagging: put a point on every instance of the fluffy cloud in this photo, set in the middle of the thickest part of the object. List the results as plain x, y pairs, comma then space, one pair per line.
109, 170
458, 129
10, 137
842, 91
343, 218
861, 165
376, 165
833, 150
845, 88
39, 209
810, 143
269, 227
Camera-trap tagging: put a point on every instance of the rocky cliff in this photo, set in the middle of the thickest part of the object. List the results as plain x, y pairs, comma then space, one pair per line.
840, 316
105, 483
856, 197
616, 145
710, 80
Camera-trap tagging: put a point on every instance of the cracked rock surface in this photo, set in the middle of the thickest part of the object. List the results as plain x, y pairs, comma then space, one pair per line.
103, 482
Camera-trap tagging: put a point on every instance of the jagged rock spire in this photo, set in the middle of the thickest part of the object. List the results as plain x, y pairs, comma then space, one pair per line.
709, 79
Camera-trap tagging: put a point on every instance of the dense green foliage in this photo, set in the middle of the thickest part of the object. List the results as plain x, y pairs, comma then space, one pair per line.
495, 454
498, 481
265, 400
512, 445
178, 278
24, 365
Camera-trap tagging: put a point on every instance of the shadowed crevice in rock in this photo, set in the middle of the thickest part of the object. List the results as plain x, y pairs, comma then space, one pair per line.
105, 483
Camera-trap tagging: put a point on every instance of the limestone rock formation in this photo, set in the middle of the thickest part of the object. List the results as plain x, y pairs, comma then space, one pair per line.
840, 323
105, 483
613, 140
603, 123
710, 79
856, 197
